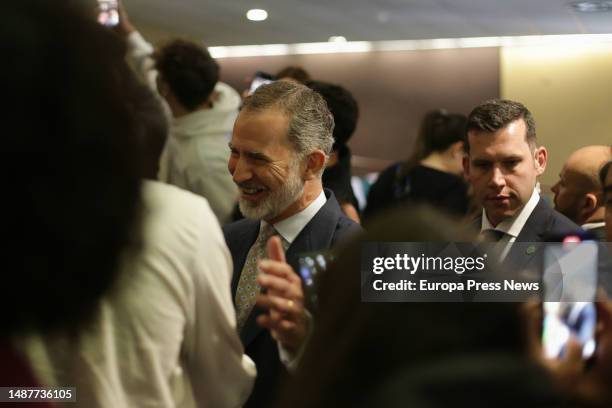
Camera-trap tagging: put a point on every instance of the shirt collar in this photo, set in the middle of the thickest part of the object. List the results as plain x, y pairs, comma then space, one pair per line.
593, 225
513, 225
289, 228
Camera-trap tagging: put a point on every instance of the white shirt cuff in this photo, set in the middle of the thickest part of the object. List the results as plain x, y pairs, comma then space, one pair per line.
292, 360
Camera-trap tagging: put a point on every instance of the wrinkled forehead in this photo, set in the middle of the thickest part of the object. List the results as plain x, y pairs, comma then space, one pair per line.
264, 125
263, 131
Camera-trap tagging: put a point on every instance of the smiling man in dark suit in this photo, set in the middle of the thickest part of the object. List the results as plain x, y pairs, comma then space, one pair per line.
280, 144
502, 165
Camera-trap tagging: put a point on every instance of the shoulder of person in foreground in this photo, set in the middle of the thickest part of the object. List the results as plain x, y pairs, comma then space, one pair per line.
188, 221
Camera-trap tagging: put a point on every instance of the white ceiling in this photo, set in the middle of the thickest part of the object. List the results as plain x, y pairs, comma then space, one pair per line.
223, 22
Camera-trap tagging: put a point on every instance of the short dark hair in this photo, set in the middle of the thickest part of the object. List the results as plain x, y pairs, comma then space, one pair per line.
439, 130
297, 73
603, 174
73, 194
189, 70
495, 114
343, 107
151, 127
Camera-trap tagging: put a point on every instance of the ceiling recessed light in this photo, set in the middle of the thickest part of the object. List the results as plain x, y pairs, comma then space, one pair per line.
257, 14
591, 6
337, 38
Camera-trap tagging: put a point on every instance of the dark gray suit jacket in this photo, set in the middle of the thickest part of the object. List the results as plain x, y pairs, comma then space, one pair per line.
525, 257
543, 225
328, 227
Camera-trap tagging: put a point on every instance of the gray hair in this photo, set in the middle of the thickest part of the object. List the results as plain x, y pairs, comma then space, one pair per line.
311, 125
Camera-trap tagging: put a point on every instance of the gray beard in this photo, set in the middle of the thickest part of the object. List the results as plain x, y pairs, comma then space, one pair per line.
276, 202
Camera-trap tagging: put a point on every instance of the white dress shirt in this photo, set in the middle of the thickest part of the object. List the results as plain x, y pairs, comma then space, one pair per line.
512, 226
290, 227
593, 225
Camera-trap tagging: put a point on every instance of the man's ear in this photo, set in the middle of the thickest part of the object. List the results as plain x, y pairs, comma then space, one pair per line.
591, 202
315, 162
540, 156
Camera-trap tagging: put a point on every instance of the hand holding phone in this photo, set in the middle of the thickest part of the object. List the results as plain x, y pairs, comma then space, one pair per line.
312, 265
574, 316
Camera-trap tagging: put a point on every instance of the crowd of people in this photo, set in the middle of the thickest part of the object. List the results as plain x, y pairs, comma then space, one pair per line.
157, 220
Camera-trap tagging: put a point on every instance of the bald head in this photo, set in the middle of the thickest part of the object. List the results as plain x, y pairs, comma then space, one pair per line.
578, 191
586, 163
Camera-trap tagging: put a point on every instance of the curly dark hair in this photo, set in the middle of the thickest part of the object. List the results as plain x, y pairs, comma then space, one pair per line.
189, 70
72, 191
343, 106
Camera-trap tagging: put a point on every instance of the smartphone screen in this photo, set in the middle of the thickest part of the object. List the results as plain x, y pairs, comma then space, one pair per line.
260, 78
565, 319
312, 265
108, 12
575, 267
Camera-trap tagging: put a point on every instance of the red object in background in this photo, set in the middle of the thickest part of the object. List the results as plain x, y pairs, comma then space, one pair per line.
15, 372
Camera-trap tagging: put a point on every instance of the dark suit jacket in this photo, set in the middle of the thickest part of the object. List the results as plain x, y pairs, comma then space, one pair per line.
543, 225
525, 256
326, 228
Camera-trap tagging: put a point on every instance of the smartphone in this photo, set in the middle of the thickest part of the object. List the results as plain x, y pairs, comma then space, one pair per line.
312, 265
108, 12
260, 78
570, 275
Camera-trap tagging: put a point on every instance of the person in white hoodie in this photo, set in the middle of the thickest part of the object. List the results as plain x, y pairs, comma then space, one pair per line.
203, 112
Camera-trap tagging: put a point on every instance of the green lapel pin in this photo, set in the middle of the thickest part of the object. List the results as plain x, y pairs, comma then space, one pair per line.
530, 249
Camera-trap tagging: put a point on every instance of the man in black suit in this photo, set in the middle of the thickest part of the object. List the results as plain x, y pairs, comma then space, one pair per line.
578, 193
280, 144
502, 165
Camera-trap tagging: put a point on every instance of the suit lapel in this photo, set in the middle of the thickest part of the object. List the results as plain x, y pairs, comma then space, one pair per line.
535, 227
521, 253
317, 235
